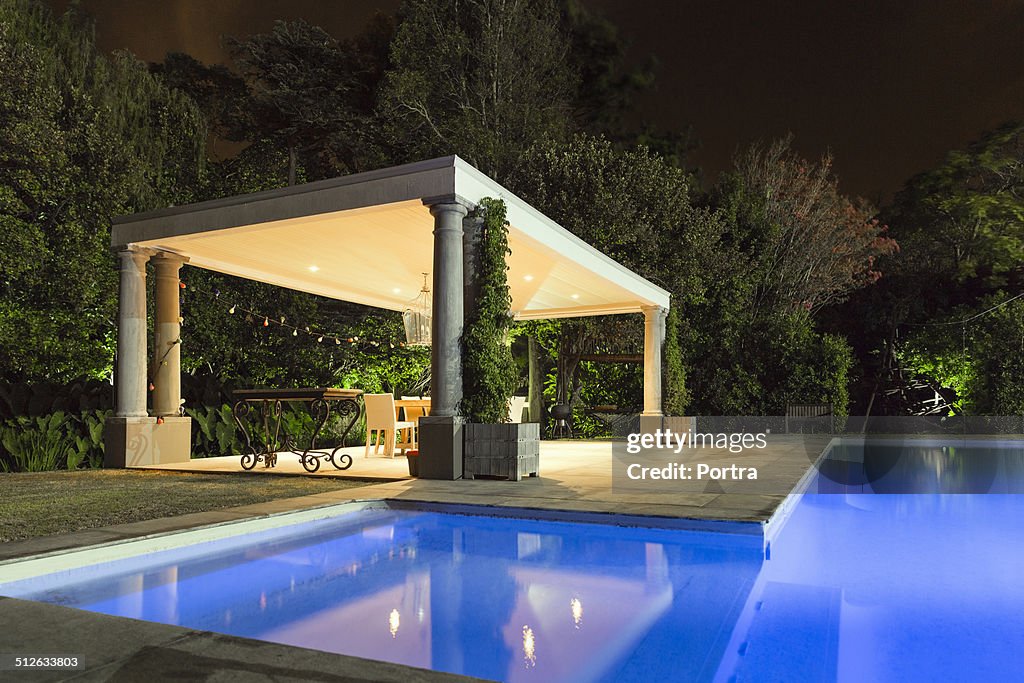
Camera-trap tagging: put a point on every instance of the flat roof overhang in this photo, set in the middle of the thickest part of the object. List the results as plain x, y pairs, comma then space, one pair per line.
368, 238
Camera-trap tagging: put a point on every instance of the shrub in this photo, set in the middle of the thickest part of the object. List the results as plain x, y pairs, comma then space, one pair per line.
51, 442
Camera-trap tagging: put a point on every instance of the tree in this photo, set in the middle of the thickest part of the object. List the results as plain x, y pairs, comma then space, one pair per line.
480, 78
813, 245
83, 138
313, 95
963, 224
961, 231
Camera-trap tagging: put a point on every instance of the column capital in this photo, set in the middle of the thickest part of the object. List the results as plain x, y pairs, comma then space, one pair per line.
654, 309
136, 249
168, 257
449, 202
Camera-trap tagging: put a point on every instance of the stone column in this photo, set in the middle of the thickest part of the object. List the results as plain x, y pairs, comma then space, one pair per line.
447, 316
130, 370
654, 337
167, 336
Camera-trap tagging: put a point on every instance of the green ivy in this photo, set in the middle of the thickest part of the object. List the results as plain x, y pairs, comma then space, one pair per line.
677, 398
489, 371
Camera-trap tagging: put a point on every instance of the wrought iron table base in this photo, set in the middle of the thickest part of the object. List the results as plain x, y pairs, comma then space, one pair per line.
271, 411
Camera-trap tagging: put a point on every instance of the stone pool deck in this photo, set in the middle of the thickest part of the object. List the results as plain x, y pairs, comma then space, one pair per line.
575, 478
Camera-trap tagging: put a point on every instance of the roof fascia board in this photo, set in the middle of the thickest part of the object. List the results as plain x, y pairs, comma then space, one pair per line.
431, 178
579, 311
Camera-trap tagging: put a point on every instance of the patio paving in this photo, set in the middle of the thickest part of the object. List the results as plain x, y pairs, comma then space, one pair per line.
575, 476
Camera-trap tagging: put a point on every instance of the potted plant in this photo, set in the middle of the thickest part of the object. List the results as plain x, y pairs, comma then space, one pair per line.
492, 445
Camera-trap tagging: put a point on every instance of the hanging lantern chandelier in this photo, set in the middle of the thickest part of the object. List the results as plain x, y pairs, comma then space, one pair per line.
417, 318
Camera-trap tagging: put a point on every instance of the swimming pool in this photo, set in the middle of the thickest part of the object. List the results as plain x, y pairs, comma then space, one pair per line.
856, 586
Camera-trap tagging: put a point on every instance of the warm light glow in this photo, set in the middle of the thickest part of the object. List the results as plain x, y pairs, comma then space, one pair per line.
394, 621
575, 296
528, 647
396, 290
577, 611
314, 269
528, 278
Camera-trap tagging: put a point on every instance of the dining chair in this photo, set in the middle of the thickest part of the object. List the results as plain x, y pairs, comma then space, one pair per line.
380, 418
413, 413
516, 407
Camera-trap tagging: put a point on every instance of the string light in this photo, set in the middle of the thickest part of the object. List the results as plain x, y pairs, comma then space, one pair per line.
253, 317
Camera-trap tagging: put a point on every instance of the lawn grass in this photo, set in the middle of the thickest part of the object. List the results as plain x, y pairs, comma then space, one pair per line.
44, 503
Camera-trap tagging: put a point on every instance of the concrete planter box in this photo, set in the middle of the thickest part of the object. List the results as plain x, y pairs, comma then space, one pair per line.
510, 450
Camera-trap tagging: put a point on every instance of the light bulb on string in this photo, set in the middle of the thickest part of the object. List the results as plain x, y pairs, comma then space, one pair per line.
337, 341
231, 310
266, 322
320, 338
295, 333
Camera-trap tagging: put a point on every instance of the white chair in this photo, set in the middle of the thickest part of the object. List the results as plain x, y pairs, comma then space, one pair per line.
516, 405
380, 418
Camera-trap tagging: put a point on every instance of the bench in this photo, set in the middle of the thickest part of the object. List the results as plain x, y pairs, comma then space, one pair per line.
808, 413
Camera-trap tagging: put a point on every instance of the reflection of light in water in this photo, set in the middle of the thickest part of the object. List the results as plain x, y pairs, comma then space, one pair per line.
394, 621
577, 611
528, 645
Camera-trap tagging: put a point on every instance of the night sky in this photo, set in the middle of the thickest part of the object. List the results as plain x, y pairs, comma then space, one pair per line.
888, 85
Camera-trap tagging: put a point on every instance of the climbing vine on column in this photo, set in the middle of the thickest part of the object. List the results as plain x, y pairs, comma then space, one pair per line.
489, 372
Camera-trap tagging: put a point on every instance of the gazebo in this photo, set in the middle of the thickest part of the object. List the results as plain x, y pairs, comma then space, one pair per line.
365, 238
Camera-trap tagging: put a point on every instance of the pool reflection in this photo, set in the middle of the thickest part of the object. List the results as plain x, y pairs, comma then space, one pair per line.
495, 598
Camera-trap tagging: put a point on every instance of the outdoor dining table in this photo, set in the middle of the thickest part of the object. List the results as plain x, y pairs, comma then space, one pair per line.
411, 410
271, 401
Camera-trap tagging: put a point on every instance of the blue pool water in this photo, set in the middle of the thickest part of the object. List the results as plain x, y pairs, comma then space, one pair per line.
856, 587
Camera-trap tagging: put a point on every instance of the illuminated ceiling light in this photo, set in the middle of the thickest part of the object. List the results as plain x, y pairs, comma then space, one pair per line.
575, 296
396, 290
314, 269
528, 278
577, 611
417, 317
